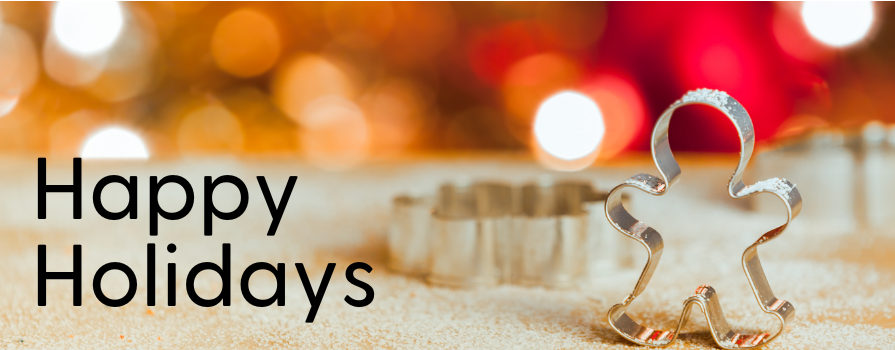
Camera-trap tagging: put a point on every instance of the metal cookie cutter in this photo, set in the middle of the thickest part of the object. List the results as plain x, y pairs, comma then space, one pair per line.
469, 227
704, 296
456, 237
408, 238
550, 233
488, 233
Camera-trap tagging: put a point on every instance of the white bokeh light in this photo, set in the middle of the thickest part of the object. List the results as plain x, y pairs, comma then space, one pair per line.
838, 23
87, 27
7, 104
569, 125
114, 143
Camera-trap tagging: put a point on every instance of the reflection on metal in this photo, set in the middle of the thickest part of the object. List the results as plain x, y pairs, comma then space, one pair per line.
408, 239
470, 224
551, 234
489, 233
704, 296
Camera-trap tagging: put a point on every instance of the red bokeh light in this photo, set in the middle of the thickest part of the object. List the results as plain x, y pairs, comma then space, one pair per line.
624, 112
671, 48
492, 52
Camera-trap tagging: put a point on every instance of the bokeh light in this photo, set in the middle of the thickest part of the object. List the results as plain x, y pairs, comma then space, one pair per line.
18, 66
530, 81
721, 66
790, 32
800, 125
359, 24
422, 30
245, 43
69, 69
129, 68
395, 112
569, 125
573, 26
334, 133
715, 46
492, 52
114, 143
429, 77
623, 109
68, 133
7, 104
838, 23
306, 78
87, 27
210, 129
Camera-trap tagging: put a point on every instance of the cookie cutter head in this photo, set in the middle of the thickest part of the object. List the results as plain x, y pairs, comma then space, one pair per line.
705, 296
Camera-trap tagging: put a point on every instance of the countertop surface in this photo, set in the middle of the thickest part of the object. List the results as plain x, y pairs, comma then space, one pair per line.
840, 280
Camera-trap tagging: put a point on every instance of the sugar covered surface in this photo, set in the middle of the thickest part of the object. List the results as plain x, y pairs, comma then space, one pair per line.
841, 284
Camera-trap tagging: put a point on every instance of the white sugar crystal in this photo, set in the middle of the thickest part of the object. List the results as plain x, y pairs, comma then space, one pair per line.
776, 185
715, 97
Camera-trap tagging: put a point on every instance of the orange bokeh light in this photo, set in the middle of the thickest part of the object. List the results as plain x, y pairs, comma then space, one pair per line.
18, 63
422, 31
359, 24
68, 134
800, 125
306, 78
530, 81
569, 25
395, 111
210, 129
8, 103
245, 43
624, 112
334, 133
129, 70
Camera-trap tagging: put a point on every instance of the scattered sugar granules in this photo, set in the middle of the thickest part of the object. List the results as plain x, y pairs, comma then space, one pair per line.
775, 185
841, 302
715, 97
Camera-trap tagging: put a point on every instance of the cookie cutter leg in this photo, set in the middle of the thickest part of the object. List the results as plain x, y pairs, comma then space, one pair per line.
705, 296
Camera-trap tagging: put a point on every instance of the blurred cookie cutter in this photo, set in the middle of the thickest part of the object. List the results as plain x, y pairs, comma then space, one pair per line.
551, 233
488, 233
408, 238
704, 296
469, 224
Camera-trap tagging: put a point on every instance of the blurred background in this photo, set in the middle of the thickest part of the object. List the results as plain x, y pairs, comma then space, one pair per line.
340, 83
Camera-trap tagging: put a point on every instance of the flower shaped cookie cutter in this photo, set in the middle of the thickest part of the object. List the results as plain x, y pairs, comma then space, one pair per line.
704, 296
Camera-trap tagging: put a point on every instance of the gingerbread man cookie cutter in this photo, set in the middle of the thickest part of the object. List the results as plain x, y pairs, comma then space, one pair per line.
704, 296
